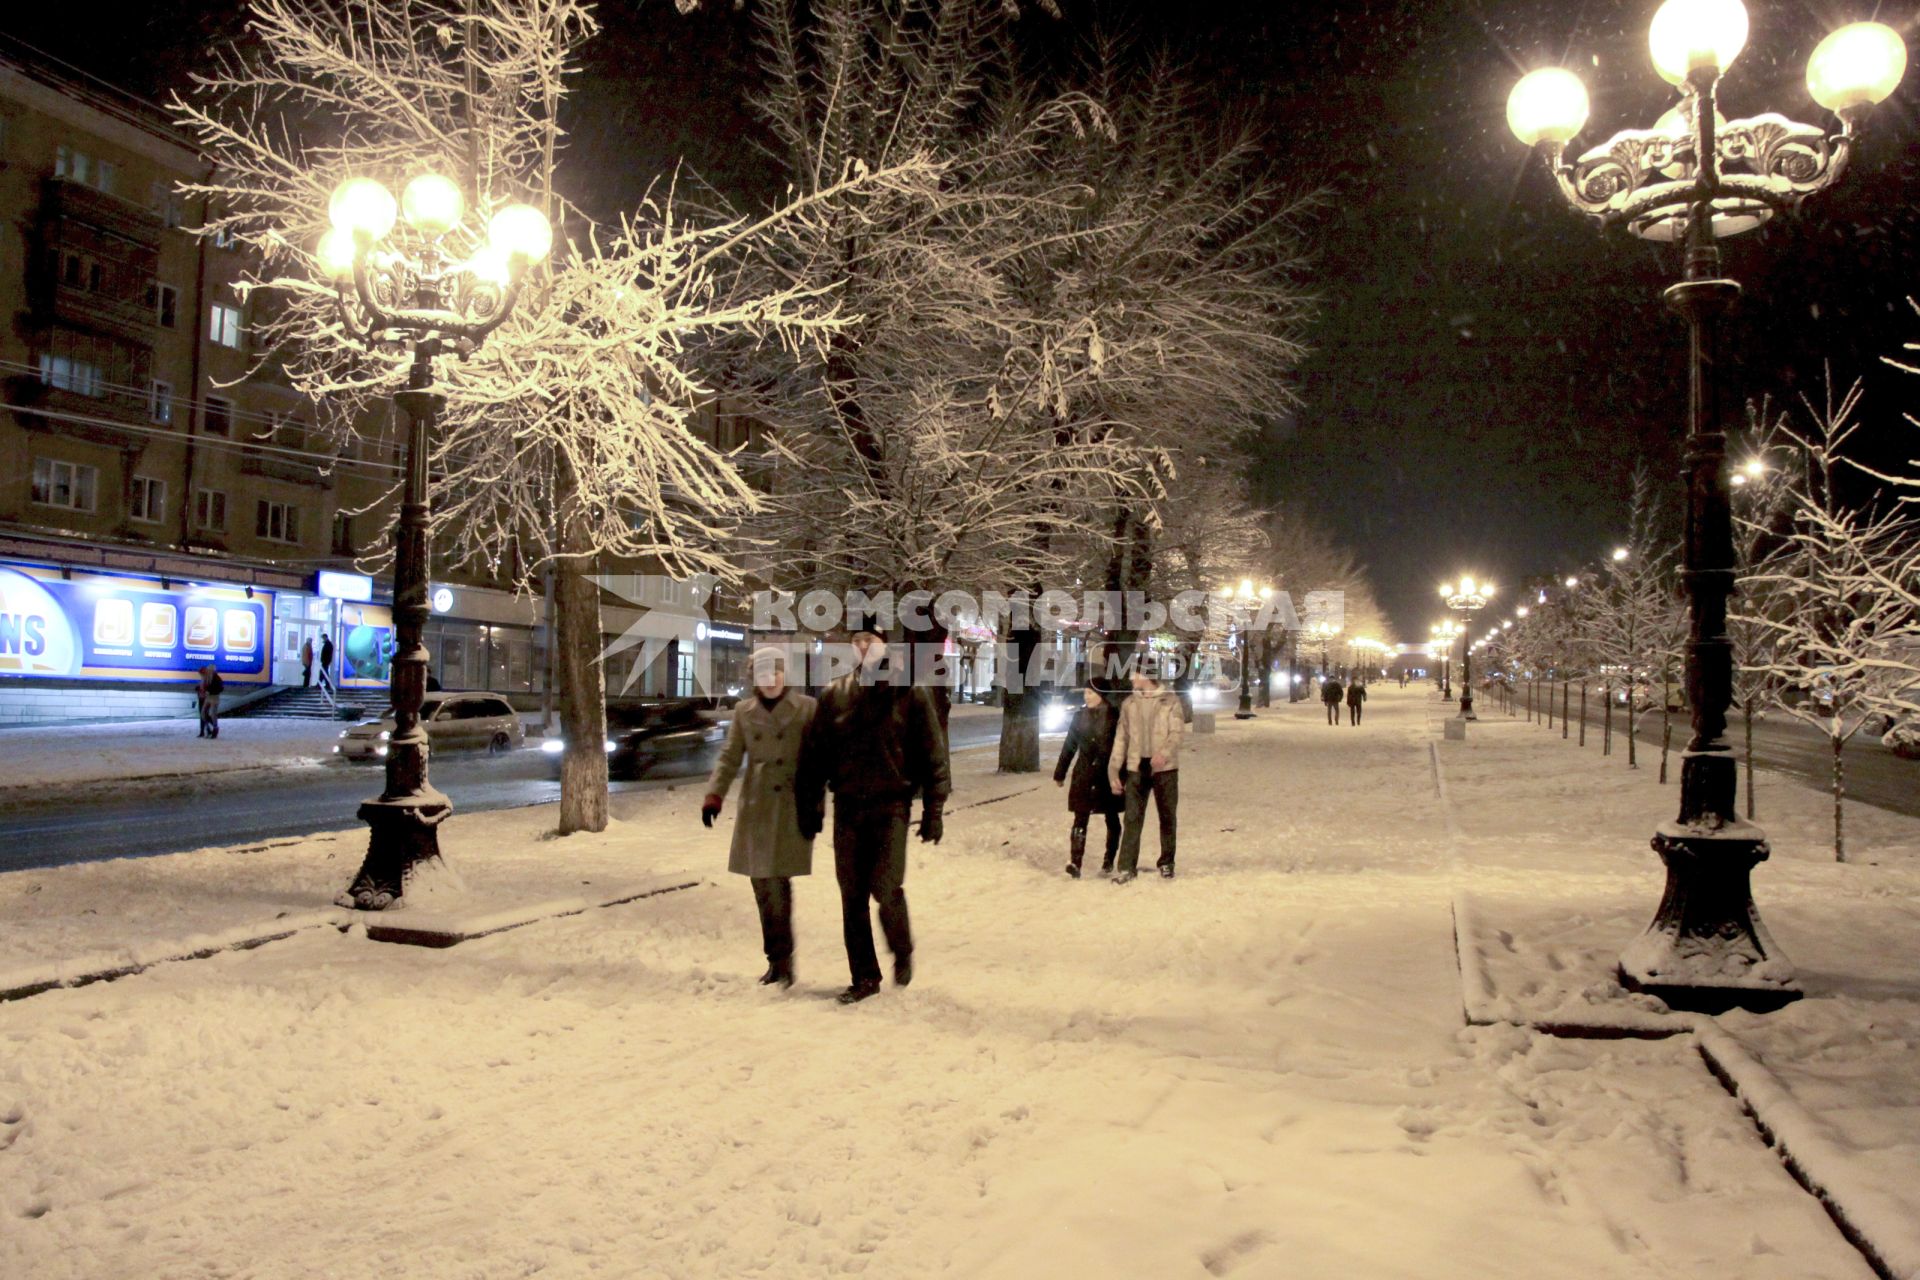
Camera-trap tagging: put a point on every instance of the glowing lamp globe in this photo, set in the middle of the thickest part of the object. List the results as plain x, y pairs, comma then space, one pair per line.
1548, 105
521, 231
1856, 66
1694, 35
335, 253
361, 206
432, 204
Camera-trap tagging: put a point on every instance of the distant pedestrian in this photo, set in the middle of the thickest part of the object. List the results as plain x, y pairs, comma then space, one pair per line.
207, 699
306, 663
1088, 748
1356, 701
1330, 694
876, 745
1146, 761
326, 662
769, 847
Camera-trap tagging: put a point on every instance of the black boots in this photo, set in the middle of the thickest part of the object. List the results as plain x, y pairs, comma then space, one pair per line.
859, 991
1077, 851
780, 971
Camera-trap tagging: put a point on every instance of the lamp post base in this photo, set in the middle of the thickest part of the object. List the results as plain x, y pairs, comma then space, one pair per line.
1707, 949
403, 850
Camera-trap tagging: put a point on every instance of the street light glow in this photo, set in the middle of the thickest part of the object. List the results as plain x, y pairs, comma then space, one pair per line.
1695, 35
520, 230
335, 253
1620, 553
1549, 105
1572, 582
432, 204
362, 207
1856, 66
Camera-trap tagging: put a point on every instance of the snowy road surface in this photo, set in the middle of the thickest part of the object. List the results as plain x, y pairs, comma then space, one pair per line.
1256, 1070
306, 792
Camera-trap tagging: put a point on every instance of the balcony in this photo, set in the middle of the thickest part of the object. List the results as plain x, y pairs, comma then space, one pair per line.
255, 461
71, 202
103, 312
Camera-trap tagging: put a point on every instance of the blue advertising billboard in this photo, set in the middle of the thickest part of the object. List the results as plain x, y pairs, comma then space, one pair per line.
366, 646
109, 626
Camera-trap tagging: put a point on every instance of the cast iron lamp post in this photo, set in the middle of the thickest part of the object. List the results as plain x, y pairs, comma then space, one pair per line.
1326, 631
411, 290
1465, 598
1443, 635
1243, 600
1692, 177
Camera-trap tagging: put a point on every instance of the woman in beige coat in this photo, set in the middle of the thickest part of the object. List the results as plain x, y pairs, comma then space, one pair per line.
767, 845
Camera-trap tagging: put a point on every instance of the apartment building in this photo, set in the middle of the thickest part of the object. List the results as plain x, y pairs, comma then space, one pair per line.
166, 503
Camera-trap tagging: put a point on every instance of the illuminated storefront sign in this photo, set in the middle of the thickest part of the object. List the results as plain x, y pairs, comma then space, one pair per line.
105, 626
707, 631
343, 586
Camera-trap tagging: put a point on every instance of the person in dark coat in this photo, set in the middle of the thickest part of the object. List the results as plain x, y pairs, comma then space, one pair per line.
1330, 693
1088, 746
306, 663
1356, 701
876, 745
207, 698
768, 847
326, 661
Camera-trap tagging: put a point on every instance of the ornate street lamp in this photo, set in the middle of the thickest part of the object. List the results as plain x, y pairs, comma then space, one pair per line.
1243, 600
1443, 634
1693, 177
402, 284
1466, 598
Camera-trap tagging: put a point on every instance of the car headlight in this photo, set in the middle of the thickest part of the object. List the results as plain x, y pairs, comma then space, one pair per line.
1054, 716
609, 746
553, 746
345, 732
385, 734
380, 751
336, 746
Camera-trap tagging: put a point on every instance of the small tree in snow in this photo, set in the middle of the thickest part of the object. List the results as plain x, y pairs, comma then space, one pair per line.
1631, 608
1844, 626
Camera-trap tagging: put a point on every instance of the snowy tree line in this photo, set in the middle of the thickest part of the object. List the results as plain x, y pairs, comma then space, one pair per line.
1825, 626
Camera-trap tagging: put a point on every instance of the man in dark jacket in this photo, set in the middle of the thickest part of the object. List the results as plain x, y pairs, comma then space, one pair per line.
875, 744
326, 661
1330, 692
1356, 701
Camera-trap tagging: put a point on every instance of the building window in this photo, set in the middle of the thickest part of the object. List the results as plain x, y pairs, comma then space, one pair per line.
223, 238
77, 166
167, 203
682, 675
210, 510
78, 271
70, 373
160, 402
342, 534
149, 500
669, 591
64, 484
223, 325
219, 416
165, 301
277, 521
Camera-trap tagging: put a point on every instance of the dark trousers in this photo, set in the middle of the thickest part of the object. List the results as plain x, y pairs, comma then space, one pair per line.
870, 861
1333, 713
1078, 838
774, 896
1166, 796
1353, 711
209, 720
306, 676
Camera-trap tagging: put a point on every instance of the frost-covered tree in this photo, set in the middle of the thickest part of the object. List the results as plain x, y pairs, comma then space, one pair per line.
1844, 621
565, 438
1632, 605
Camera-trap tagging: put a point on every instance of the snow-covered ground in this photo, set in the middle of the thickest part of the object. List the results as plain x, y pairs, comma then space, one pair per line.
67, 755
1258, 1069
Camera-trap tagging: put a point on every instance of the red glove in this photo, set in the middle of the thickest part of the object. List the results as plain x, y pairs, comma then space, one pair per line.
709, 810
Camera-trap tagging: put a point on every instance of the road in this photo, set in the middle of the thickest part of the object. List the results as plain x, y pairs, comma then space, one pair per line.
167, 815
1874, 774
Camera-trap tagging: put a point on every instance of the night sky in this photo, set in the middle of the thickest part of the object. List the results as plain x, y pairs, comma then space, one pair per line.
1487, 369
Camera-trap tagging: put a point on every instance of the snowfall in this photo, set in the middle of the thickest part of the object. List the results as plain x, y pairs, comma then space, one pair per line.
1279, 1064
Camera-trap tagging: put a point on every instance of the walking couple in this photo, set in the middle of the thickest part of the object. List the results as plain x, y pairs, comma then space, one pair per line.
875, 745
1119, 758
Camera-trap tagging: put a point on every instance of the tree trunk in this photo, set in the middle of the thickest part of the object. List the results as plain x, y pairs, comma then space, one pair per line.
1839, 796
1633, 723
1020, 714
1746, 714
580, 678
1606, 733
1666, 724
1583, 713
1565, 695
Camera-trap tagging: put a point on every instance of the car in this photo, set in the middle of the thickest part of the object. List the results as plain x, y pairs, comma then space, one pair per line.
453, 721
683, 734
1903, 738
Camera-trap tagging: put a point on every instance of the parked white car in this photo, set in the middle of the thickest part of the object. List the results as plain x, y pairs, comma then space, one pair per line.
453, 721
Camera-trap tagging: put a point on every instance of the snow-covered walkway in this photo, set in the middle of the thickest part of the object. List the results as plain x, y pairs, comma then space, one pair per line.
1256, 1070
